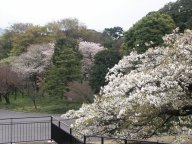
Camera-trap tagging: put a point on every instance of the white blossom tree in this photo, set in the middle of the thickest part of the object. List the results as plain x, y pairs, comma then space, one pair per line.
32, 65
88, 50
147, 93
35, 60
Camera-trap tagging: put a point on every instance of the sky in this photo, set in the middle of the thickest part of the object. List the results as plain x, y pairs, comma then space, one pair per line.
95, 14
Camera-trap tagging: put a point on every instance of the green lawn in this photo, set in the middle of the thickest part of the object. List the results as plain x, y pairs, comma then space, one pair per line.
44, 104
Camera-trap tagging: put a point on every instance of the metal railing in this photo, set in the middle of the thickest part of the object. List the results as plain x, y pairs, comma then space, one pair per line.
63, 133
28, 129
103, 139
13, 130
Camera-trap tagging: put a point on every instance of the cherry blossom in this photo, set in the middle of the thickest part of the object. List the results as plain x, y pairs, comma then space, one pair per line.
35, 60
146, 94
89, 50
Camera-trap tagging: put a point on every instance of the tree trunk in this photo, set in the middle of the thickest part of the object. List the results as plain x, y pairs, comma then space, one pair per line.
34, 102
15, 93
0, 98
6, 96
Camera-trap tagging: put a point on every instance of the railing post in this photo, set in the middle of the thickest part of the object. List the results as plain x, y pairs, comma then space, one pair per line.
59, 124
70, 131
51, 127
11, 130
102, 140
84, 139
51, 119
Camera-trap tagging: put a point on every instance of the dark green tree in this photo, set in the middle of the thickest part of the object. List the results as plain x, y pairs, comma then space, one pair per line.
66, 68
103, 61
147, 32
5, 45
111, 37
61, 44
181, 13
115, 32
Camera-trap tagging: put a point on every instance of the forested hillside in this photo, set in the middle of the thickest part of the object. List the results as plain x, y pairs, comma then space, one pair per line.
133, 83
51, 62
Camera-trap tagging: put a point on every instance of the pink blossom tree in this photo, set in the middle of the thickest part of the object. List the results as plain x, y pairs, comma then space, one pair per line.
88, 50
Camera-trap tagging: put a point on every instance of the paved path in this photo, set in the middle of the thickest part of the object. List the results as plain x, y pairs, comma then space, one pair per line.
12, 114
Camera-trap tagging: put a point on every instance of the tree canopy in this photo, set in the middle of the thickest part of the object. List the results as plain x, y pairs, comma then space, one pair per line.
181, 13
66, 68
103, 61
88, 51
147, 93
112, 37
23, 35
147, 32
35, 61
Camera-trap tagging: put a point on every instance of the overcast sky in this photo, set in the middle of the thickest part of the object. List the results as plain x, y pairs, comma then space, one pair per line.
95, 14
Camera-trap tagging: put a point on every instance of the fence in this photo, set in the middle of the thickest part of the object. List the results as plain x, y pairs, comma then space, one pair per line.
62, 133
115, 140
27, 129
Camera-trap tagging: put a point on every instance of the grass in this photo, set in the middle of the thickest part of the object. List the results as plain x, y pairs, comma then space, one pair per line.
45, 104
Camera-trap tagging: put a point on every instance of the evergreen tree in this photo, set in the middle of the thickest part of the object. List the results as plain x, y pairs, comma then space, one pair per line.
66, 68
181, 13
147, 32
103, 61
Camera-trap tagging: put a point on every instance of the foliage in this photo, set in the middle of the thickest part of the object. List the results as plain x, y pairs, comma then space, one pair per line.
103, 61
111, 37
147, 93
181, 13
35, 61
66, 68
69, 27
23, 35
5, 45
60, 44
115, 32
90, 35
79, 91
88, 51
9, 83
32, 65
20, 27
147, 32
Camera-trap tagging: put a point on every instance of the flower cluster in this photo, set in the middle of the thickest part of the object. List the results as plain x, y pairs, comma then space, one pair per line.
89, 50
146, 93
35, 60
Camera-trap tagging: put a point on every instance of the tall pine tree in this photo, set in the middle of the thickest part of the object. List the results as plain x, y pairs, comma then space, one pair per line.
66, 68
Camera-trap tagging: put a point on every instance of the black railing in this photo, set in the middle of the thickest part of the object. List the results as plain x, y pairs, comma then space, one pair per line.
13, 130
28, 129
62, 133
103, 139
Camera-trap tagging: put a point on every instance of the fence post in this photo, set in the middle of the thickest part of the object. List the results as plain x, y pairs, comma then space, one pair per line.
70, 131
51, 127
11, 130
84, 139
51, 119
59, 124
125, 141
102, 140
